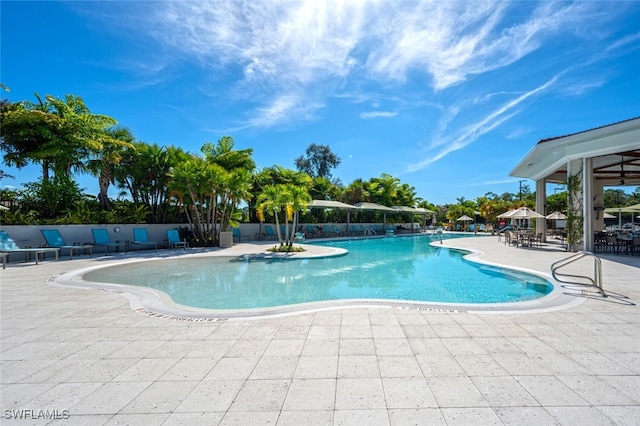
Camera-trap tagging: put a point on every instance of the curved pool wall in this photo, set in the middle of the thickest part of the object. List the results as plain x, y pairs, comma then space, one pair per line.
157, 301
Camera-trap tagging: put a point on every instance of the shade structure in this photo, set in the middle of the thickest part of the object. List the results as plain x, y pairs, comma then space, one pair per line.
608, 216
627, 209
412, 211
464, 218
556, 216
328, 204
374, 206
3, 207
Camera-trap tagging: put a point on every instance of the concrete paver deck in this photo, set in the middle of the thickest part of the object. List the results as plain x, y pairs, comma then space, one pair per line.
86, 355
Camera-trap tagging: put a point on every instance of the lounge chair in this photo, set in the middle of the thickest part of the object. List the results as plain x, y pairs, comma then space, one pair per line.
173, 236
54, 239
268, 232
238, 235
140, 238
8, 246
101, 238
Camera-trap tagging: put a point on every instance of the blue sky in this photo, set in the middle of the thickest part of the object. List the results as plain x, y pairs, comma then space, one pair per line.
446, 96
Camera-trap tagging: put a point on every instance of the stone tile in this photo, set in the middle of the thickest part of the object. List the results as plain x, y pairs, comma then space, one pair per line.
137, 419
497, 345
247, 348
439, 366
189, 369
387, 332
623, 416
360, 394
261, 395
480, 365
111, 398
272, 367
423, 331
160, 397
358, 366
449, 330
305, 418
357, 347
316, 367
249, 418
232, 369
459, 346
428, 347
549, 391
525, 416
197, 418
104, 370
518, 364
456, 392
477, 416
285, 347
415, 416
210, 396
148, 369
399, 366
597, 391
503, 391
580, 416
316, 395
356, 332
408, 393
324, 332
321, 347
397, 347
361, 417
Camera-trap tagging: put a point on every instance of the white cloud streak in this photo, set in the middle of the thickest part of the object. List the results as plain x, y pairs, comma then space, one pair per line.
377, 114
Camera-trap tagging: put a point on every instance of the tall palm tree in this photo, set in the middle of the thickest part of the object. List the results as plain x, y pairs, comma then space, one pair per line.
271, 200
300, 199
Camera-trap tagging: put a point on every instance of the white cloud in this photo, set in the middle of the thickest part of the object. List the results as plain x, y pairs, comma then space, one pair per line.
377, 114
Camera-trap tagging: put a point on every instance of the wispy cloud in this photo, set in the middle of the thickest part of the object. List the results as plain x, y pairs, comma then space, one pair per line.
275, 53
474, 130
377, 114
491, 182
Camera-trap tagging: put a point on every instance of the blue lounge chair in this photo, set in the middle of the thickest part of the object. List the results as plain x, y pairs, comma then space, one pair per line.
173, 236
101, 238
268, 232
8, 246
140, 238
54, 239
238, 235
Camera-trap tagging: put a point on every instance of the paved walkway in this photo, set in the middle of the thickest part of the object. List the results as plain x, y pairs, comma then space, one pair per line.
84, 354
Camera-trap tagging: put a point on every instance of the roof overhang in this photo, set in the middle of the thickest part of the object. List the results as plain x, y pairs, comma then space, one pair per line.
612, 148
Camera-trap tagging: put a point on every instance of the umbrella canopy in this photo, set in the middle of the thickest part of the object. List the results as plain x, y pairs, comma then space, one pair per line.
608, 216
525, 213
328, 204
506, 214
464, 218
628, 209
556, 215
3, 207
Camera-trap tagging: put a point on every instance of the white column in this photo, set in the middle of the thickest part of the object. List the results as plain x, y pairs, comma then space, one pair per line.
587, 203
541, 202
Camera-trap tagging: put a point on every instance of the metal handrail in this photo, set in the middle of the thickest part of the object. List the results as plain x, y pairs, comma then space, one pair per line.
596, 281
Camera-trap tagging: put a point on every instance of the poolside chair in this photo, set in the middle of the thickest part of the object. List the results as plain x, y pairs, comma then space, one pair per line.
336, 231
101, 238
173, 236
238, 235
268, 232
8, 246
140, 239
54, 239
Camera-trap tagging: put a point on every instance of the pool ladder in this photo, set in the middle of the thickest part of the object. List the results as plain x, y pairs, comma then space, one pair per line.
596, 281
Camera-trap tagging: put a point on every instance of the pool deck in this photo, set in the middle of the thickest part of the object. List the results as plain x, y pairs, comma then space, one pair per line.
86, 351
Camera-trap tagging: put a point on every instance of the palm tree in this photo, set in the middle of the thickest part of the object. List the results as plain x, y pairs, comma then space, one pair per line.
300, 199
106, 159
271, 200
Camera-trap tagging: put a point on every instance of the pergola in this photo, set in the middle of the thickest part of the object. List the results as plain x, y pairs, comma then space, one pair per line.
599, 157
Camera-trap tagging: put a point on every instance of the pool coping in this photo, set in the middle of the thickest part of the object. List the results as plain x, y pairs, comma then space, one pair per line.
157, 303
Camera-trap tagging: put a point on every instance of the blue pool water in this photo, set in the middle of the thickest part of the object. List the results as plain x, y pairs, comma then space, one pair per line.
405, 268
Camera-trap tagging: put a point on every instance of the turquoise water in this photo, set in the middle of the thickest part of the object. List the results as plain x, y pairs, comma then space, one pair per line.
404, 268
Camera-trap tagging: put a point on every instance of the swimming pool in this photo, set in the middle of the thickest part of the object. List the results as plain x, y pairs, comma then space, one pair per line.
401, 269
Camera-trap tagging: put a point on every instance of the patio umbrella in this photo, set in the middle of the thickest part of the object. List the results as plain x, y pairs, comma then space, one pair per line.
525, 213
555, 216
505, 214
608, 216
464, 218
3, 207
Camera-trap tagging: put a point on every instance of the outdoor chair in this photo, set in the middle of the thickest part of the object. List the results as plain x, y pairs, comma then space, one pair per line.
173, 236
8, 246
268, 232
140, 239
54, 239
238, 235
101, 238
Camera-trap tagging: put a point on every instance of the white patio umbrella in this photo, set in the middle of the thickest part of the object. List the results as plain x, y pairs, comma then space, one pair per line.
464, 218
525, 213
505, 214
608, 216
555, 216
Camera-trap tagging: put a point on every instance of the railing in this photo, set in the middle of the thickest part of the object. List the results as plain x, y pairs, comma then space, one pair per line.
596, 281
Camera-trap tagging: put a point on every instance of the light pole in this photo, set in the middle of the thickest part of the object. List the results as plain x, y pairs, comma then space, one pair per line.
520, 192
